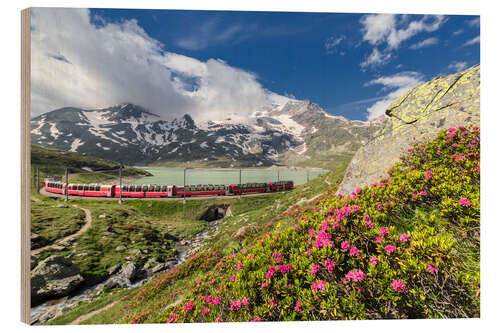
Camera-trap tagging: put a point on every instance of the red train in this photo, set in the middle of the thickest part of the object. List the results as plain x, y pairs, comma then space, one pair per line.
156, 191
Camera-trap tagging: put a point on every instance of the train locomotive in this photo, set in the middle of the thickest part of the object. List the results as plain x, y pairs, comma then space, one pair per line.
158, 191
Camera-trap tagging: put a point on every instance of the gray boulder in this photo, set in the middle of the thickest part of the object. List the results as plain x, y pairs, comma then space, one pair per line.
54, 277
128, 271
415, 118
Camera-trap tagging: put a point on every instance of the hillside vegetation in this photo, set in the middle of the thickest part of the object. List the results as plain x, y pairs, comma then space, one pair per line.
404, 247
52, 162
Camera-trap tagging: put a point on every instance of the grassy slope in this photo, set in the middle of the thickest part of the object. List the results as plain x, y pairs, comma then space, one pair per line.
442, 232
262, 211
52, 162
53, 223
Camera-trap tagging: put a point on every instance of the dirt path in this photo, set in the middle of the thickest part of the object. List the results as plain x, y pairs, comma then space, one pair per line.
88, 223
91, 314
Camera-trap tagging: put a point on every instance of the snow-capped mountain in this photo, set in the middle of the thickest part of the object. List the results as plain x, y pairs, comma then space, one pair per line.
289, 133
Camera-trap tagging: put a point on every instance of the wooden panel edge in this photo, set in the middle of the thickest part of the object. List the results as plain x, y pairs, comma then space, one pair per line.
25, 163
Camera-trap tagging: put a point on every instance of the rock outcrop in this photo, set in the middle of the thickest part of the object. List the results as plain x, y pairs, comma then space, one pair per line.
415, 117
54, 277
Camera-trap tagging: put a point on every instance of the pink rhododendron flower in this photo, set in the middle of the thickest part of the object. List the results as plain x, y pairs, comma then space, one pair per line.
358, 190
285, 268
474, 141
264, 284
423, 193
366, 217
356, 275
251, 258
256, 319
240, 266
404, 237
432, 268
172, 318
244, 301
464, 133
297, 307
308, 252
330, 264
316, 209
464, 202
189, 305
320, 285
295, 227
476, 169
390, 248
233, 278
380, 207
383, 231
322, 240
273, 303
205, 311
460, 157
369, 224
354, 252
374, 261
378, 239
454, 145
270, 272
414, 195
412, 167
339, 195
345, 245
399, 286
451, 135
428, 174
314, 269
410, 149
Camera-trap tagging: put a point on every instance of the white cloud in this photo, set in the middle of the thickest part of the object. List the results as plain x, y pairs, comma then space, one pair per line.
208, 34
474, 22
332, 42
90, 67
473, 41
426, 42
398, 84
376, 58
390, 31
377, 27
457, 66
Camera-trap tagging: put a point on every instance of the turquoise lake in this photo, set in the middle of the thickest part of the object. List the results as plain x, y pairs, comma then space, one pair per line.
175, 176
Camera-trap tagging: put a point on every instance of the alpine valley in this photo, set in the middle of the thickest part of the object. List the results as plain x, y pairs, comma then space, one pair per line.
295, 133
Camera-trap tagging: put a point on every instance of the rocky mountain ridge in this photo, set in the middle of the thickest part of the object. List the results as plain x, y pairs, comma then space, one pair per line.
293, 133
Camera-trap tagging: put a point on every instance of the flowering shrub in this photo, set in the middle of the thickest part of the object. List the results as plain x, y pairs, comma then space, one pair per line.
354, 256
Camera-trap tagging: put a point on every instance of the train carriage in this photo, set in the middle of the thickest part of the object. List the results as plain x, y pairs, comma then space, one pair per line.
158, 191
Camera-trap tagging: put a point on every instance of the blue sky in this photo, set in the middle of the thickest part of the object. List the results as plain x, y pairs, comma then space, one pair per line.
349, 64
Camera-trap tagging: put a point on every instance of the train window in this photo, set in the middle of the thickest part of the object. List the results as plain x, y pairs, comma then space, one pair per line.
131, 189
91, 188
86, 187
98, 188
80, 187
144, 188
158, 188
